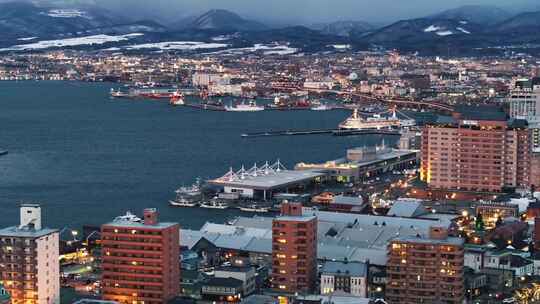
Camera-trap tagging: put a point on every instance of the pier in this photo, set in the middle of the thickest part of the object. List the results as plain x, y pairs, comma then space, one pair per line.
335, 132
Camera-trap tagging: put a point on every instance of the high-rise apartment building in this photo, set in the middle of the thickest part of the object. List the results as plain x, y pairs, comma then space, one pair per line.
294, 250
425, 270
478, 151
140, 260
29, 260
524, 103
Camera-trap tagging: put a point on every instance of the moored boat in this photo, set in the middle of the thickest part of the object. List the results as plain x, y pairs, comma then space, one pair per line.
177, 99
182, 202
356, 122
118, 94
214, 205
254, 208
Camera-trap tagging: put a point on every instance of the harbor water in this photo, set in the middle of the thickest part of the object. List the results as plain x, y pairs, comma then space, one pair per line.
88, 158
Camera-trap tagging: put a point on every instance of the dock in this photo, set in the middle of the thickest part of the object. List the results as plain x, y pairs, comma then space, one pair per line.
334, 132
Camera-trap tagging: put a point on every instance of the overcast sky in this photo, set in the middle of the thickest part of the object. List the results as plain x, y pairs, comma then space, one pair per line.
304, 11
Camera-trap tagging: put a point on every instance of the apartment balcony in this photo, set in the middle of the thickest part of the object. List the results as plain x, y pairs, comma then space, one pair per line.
130, 291
131, 243
140, 283
114, 236
131, 267
117, 274
129, 259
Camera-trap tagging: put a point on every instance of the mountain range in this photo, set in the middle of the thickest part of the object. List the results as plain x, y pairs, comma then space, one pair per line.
462, 29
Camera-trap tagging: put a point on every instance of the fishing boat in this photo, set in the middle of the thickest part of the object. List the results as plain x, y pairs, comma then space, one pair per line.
182, 202
318, 106
243, 107
177, 99
193, 190
214, 205
118, 94
255, 208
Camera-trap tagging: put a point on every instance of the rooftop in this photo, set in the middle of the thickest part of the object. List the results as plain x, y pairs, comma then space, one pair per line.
223, 282
354, 269
447, 241
295, 218
265, 178
25, 232
141, 225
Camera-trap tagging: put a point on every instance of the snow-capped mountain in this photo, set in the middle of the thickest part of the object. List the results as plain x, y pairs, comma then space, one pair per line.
422, 30
480, 14
220, 20
25, 19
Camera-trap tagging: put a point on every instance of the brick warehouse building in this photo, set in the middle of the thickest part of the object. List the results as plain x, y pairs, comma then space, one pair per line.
294, 250
425, 270
140, 260
477, 151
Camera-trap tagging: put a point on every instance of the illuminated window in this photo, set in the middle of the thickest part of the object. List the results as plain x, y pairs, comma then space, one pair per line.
282, 287
403, 261
281, 256
282, 241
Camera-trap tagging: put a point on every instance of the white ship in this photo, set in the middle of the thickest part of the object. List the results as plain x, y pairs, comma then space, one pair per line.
356, 122
128, 217
249, 107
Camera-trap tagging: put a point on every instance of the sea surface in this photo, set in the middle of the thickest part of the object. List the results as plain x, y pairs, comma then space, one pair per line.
88, 158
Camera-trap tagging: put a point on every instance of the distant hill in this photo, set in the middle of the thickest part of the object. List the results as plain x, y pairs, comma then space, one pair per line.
25, 19
524, 22
422, 30
221, 20
479, 14
343, 28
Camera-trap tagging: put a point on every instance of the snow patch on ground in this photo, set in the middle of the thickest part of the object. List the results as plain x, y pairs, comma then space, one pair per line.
265, 49
462, 30
445, 33
177, 45
27, 38
67, 13
341, 46
87, 40
432, 28
463, 22
221, 38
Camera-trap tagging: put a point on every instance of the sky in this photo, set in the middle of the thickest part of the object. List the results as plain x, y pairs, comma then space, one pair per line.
300, 11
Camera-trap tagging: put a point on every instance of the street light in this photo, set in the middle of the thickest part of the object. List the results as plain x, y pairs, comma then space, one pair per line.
74, 233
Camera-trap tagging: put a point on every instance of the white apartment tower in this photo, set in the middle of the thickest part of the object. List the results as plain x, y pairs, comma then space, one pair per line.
524, 103
29, 267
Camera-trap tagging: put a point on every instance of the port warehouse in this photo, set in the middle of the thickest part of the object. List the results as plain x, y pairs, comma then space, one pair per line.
341, 236
359, 164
